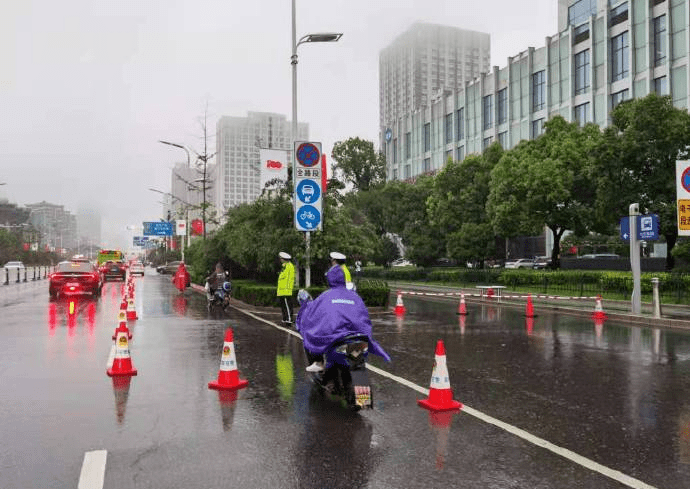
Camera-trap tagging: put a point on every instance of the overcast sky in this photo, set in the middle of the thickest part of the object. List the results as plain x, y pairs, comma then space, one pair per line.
88, 87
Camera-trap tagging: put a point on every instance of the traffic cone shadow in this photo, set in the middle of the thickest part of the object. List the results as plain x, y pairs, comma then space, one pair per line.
440, 394
228, 375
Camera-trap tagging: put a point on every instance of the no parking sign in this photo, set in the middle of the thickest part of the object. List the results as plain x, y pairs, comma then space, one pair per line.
683, 197
308, 191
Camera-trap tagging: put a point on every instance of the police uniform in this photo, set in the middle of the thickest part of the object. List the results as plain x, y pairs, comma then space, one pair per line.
286, 281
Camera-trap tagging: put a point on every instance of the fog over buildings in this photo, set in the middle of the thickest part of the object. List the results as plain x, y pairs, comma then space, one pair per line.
88, 88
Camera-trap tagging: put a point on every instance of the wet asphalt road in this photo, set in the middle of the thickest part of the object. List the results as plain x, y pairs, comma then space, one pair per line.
614, 394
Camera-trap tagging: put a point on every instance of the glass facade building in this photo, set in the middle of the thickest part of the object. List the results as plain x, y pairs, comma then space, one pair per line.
606, 51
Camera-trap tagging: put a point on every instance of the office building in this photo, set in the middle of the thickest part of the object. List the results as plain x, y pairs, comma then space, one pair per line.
57, 226
606, 51
236, 178
425, 62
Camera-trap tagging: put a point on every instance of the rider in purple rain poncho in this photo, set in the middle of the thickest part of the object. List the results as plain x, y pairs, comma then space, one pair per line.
335, 313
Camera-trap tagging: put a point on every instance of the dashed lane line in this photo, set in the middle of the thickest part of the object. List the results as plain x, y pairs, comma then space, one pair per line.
514, 430
93, 470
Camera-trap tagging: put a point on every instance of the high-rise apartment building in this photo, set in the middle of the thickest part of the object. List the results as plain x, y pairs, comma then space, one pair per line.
58, 227
606, 51
425, 62
238, 140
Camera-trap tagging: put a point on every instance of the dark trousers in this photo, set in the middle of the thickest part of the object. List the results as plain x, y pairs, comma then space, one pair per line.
286, 308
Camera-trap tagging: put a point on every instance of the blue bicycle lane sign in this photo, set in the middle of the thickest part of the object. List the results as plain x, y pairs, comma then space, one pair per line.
308, 217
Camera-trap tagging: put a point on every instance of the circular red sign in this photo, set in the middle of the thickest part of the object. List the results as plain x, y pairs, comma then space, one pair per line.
685, 179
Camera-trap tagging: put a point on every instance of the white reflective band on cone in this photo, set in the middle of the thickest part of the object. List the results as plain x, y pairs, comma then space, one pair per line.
227, 360
439, 377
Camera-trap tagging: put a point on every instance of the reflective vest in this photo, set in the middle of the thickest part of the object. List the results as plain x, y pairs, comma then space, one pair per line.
286, 279
348, 278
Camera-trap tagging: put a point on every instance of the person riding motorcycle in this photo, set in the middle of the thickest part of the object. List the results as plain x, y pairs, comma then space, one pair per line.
216, 280
335, 313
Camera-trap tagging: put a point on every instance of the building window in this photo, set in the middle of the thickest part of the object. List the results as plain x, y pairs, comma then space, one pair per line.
502, 105
660, 86
537, 128
449, 128
395, 173
488, 104
395, 150
618, 14
460, 128
407, 171
581, 114
538, 90
487, 142
580, 33
582, 72
449, 155
659, 40
620, 65
460, 153
408, 145
427, 137
503, 139
655, 2
427, 165
581, 10
618, 97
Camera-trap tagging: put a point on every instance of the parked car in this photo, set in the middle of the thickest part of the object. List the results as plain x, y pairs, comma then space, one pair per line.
401, 262
15, 265
170, 267
113, 270
521, 263
606, 256
136, 268
541, 262
445, 262
75, 277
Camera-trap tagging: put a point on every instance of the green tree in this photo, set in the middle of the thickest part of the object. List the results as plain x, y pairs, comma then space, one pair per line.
636, 162
358, 163
548, 181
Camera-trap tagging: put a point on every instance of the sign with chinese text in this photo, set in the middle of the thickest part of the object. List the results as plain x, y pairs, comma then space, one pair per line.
683, 197
308, 196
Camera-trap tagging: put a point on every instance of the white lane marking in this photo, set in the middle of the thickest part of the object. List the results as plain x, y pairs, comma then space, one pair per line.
93, 470
535, 440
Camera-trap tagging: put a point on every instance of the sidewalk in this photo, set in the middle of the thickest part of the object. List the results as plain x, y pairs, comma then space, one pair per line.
672, 316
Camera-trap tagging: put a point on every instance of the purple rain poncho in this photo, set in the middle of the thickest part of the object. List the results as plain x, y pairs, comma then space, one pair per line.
335, 313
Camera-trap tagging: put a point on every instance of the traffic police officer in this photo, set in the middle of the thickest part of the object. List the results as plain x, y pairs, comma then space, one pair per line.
286, 281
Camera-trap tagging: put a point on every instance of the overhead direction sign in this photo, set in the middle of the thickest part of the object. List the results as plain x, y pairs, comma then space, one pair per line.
308, 196
158, 228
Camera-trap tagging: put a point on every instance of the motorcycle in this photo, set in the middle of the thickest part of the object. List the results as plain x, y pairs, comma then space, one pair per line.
345, 372
220, 297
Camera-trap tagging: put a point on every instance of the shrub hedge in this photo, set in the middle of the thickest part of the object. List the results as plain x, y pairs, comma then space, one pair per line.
375, 293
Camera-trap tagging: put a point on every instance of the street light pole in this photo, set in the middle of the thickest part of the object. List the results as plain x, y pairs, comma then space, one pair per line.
323, 37
189, 163
187, 205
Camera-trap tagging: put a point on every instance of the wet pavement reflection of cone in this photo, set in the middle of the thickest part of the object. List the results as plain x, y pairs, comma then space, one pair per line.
440, 395
228, 376
462, 307
461, 322
121, 385
529, 308
227, 400
122, 363
529, 325
399, 306
440, 425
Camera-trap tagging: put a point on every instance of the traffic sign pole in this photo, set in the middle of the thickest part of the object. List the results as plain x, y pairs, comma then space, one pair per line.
636, 299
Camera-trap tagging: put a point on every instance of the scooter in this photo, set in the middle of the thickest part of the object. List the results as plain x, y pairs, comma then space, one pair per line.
345, 372
220, 297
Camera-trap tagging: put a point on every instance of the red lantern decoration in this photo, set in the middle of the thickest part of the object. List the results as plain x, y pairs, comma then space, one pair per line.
197, 227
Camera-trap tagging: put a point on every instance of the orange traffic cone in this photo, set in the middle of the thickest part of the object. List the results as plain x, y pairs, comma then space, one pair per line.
599, 310
462, 307
122, 363
490, 292
228, 376
440, 395
131, 310
122, 325
399, 306
529, 309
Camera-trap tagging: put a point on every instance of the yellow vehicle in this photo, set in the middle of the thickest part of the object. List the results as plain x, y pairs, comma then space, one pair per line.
110, 255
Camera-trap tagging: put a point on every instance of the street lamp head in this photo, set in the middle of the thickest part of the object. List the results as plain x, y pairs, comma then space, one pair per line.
171, 144
321, 37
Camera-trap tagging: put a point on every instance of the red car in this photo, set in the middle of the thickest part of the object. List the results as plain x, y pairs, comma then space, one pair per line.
75, 277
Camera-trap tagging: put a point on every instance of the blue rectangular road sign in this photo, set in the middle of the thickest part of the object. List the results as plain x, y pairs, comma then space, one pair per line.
160, 228
647, 228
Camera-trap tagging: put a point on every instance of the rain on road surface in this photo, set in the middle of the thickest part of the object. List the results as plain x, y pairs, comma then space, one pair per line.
616, 395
